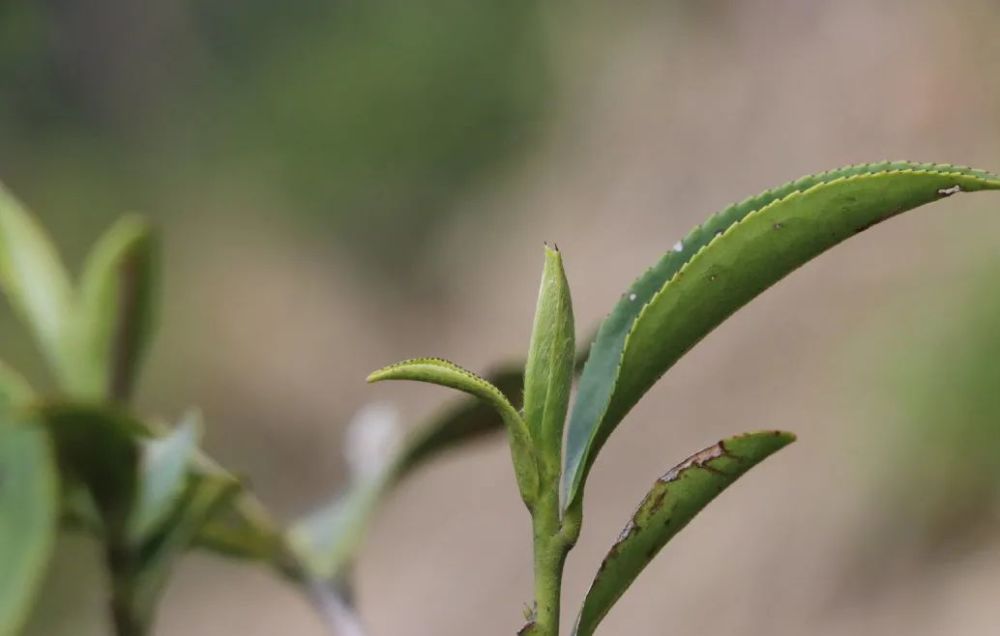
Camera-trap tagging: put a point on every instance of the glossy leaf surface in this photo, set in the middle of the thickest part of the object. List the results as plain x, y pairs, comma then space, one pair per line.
672, 502
723, 264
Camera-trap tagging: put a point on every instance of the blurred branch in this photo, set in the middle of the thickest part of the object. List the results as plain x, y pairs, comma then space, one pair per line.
335, 610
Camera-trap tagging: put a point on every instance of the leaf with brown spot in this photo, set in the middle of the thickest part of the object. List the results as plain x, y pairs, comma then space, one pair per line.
671, 503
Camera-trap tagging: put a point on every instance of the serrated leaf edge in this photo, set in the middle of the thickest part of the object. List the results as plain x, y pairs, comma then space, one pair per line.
788, 190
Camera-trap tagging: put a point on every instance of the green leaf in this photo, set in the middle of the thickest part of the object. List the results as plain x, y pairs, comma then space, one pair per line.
28, 517
466, 422
671, 503
163, 470
444, 373
98, 448
723, 264
34, 279
241, 528
326, 540
548, 374
116, 314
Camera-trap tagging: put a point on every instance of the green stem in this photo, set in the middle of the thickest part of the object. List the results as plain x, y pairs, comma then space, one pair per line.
549, 563
128, 618
551, 543
126, 623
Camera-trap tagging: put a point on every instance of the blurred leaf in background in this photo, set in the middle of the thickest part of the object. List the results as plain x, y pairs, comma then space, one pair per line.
369, 119
937, 492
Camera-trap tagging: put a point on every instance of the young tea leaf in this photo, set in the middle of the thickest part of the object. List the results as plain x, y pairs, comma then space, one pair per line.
29, 504
548, 374
327, 540
672, 502
163, 471
466, 422
34, 279
444, 373
115, 320
722, 265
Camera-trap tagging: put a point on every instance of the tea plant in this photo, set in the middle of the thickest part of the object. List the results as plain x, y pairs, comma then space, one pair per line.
80, 457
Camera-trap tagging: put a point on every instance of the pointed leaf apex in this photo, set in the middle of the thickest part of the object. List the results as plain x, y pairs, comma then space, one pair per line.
673, 501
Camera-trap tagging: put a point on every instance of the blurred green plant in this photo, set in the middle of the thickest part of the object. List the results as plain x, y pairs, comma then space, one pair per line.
371, 121
941, 406
81, 458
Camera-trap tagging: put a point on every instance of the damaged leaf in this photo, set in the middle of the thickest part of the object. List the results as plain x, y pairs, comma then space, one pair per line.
671, 503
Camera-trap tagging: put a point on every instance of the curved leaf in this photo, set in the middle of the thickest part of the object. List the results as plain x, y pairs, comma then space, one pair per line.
327, 539
28, 517
116, 314
465, 422
34, 279
548, 374
672, 502
723, 264
445, 373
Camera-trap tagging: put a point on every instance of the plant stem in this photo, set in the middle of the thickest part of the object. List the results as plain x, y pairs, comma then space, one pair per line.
551, 546
548, 587
127, 617
126, 623
335, 610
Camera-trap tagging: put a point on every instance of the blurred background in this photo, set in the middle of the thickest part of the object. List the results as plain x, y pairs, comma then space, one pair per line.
345, 184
